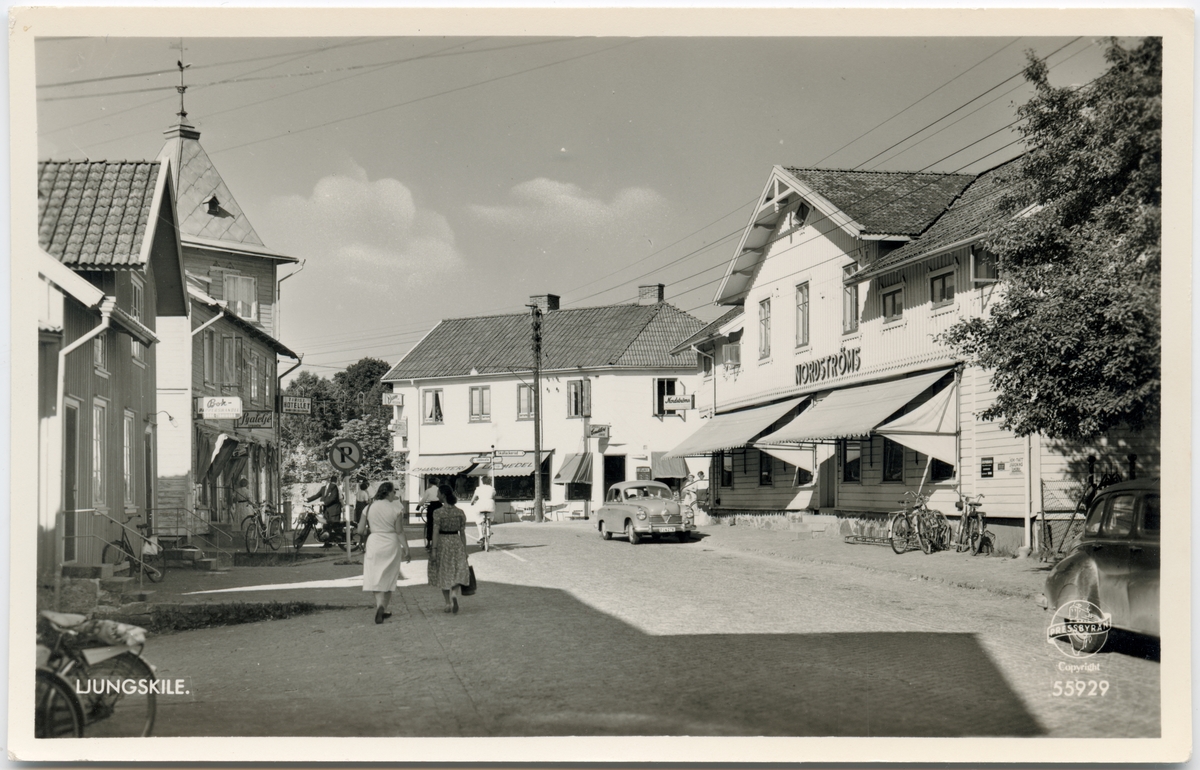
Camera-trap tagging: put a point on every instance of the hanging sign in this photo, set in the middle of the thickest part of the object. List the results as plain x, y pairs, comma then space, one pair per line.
679, 402
393, 399
598, 431
222, 407
643, 473
256, 419
510, 453
297, 405
400, 427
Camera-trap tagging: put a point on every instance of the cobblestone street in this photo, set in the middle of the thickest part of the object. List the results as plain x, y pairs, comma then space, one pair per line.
736, 633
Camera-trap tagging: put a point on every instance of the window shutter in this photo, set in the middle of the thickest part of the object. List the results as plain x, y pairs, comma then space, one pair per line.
587, 398
654, 398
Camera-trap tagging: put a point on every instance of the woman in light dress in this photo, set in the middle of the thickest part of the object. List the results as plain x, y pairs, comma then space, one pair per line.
448, 558
386, 545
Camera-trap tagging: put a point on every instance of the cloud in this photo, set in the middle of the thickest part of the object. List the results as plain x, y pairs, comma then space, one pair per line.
546, 205
363, 228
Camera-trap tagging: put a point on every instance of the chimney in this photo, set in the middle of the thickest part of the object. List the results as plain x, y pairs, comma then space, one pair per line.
545, 301
650, 295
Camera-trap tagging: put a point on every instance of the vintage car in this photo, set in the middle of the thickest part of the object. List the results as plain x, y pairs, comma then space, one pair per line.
643, 508
1115, 564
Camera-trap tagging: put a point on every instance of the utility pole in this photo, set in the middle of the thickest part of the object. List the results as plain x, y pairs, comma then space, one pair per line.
536, 318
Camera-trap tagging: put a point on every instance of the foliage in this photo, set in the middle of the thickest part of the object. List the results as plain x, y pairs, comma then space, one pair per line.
168, 618
374, 436
1073, 341
319, 427
361, 389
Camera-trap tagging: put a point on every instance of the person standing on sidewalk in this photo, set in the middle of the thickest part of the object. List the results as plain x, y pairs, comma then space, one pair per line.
448, 558
361, 500
386, 545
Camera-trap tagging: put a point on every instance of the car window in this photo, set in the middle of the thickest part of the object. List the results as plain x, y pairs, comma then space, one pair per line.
660, 492
1095, 517
1119, 520
1150, 515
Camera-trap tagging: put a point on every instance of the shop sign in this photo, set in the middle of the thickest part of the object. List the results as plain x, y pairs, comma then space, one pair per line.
256, 419
842, 363
598, 431
510, 452
987, 467
297, 405
222, 407
400, 427
679, 402
393, 399
643, 473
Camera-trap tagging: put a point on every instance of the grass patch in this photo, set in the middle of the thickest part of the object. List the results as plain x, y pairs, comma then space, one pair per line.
170, 618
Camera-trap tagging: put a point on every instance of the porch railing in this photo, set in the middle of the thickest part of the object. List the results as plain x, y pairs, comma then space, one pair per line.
195, 529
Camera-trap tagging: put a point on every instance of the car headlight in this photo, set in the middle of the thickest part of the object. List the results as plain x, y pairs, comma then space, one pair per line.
641, 513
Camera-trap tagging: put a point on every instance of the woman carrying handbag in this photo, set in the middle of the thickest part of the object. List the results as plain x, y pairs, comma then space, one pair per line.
448, 568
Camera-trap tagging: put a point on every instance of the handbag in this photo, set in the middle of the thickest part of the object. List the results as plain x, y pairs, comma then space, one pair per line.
469, 588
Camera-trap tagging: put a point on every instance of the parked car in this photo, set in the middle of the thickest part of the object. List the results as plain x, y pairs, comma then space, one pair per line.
1115, 564
640, 508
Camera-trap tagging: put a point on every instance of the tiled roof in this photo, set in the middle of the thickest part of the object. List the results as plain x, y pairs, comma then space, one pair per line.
710, 329
886, 202
197, 180
611, 335
973, 214
95, 213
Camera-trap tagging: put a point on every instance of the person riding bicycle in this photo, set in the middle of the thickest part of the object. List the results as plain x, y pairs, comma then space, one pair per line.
485, 503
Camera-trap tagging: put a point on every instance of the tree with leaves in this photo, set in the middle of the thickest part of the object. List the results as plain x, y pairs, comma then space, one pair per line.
362, 389
1073, 342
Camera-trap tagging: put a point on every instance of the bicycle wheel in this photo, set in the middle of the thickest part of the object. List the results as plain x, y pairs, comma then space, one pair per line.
154, 566
114, 553
925, 534
275, 533
301, 536
486, 540
57, 713
900, 533
251, 534
975, 535
121, 701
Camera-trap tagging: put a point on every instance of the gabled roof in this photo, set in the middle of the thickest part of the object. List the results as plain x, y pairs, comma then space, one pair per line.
198, 295
970, 217
709, 331
197, 181
97, 214
623, 336
886, 202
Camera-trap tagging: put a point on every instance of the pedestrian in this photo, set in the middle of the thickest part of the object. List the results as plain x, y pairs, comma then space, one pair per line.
330, 497
485, 504
361, 499
429, 509
701, 491
386, 545
689, 491
448, 558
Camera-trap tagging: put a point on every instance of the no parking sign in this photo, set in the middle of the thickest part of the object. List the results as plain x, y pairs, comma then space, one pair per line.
345, 455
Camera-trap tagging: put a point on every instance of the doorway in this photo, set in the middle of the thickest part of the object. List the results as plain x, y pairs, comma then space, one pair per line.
614, 471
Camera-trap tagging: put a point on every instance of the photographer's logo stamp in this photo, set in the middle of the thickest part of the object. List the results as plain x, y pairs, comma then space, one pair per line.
1079, 628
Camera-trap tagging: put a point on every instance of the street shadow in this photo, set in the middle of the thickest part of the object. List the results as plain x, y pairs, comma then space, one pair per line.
1134, 645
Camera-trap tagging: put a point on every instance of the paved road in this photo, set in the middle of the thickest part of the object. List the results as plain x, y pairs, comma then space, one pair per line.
572, 635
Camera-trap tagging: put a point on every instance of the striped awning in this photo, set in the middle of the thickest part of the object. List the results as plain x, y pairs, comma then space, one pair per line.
735, 429
576, 469
663, 467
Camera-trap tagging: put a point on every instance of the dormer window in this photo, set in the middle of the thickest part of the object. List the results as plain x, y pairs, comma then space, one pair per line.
241, 296
214, 206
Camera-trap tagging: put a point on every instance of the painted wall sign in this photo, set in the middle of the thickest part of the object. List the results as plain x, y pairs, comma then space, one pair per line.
843, 362
297, 405
598, 431
393, 399
256, 419
222, 407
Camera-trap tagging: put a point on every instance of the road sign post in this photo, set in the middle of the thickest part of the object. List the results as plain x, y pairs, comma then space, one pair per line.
345, 455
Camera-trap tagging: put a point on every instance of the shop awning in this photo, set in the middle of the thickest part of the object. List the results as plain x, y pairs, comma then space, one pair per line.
726, 431
511, 466
852, 412
663, 467
801, 458
930, 428
430, 465
222, 453
576, 469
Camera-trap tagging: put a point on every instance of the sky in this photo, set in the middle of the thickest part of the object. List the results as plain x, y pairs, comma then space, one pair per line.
422, 178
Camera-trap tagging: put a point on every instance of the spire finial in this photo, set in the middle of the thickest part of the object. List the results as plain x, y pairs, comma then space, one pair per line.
181, 88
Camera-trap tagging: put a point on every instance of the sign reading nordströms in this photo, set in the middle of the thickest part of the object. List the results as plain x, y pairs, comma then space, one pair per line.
222, 407
843, 362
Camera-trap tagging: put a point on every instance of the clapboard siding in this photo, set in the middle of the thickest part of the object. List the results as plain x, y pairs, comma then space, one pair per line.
213, 267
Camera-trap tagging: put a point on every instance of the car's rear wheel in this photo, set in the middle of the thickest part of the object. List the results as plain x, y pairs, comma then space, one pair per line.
631, 533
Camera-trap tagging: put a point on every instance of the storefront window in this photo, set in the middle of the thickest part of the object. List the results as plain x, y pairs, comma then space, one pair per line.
766, 468
726, 461
893, 461
579, 491
852, 461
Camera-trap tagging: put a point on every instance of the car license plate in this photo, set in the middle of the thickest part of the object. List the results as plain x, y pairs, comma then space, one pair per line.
664, 529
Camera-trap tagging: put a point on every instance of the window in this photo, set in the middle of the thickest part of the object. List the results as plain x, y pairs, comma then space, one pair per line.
731, 354
136, 312
231, 357
893, 305
803, 478
579, 398
524, 402
127, 456
726, 461
940, 471
941, 289
706, 365
210, 356
663, 387
802, 315
99, 451
1150, 515
985, 266
766, 468
241, 296
849, 303
481, 403
431, 407
1118, 522
764, 328
851, 461
254, 370
893, 461
100, 351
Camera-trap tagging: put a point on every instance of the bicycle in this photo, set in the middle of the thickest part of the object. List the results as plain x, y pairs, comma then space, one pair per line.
150, 559
902, 525
972, 525
485, 531
305, 524
933, 529
113, 690
257, 531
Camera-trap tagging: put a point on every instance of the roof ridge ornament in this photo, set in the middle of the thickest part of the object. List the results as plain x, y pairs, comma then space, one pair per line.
181, 88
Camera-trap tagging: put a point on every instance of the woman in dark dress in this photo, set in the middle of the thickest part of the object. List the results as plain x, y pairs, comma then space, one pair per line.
448, 557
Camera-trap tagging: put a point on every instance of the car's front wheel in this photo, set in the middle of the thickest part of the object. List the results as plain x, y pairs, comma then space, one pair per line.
631, 533
604, 533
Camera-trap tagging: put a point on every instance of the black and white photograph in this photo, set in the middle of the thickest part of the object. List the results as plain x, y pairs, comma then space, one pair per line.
600, 385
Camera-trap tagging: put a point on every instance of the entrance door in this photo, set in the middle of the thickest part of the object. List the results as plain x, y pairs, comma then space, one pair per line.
70, 479
827, 479
614, 471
